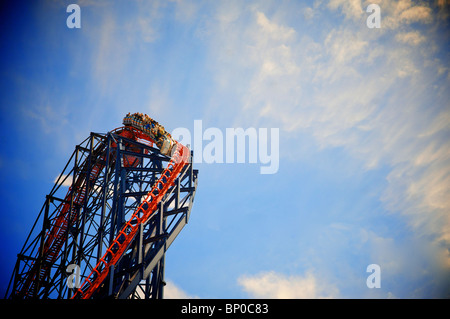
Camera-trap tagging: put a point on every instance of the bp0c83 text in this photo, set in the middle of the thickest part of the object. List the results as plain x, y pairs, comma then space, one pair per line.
246, 308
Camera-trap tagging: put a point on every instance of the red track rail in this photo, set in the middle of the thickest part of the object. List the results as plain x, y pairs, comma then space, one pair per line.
128, 232
56, 237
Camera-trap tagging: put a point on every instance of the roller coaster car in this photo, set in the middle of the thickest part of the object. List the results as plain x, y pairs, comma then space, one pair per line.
167, 146
143, 122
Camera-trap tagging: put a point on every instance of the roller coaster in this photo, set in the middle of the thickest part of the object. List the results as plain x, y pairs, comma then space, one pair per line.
115, 209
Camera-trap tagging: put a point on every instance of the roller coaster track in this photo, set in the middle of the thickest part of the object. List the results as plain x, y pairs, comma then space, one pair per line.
129, 230
54, 235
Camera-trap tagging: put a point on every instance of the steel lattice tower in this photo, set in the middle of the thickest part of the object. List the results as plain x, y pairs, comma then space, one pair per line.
106, 224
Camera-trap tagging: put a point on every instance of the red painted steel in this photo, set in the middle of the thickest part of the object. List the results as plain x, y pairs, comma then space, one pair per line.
129, 230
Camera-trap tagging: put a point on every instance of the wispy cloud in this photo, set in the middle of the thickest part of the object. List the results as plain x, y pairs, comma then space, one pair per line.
316, 72
172, 291
66, 180
274, 285
412, 37
394, 13
350, 86
47, 118
352, 9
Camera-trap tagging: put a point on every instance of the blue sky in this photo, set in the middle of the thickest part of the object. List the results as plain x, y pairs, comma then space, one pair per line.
363, 114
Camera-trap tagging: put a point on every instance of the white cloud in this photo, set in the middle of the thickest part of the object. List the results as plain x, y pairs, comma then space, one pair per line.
416, 14
412, 37
351, 8
344, 46
48, 118
274, 285
65, 179
410, 266
110, 53
404, 12
148, 33
422, 264
308, 13
115, 40
352, 87
172, 291
185, 10
271, 30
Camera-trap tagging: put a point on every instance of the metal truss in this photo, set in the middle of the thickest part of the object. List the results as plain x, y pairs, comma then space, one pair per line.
104, 183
